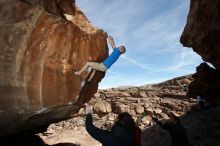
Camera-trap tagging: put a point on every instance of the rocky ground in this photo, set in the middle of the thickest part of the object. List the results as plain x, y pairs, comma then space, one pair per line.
164, 98
202, 127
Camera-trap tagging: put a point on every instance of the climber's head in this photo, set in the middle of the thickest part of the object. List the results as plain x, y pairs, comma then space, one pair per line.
125, 120
122, 49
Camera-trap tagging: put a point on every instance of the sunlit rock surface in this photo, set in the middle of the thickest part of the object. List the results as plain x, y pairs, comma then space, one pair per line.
202, 33
39, 39
202, 126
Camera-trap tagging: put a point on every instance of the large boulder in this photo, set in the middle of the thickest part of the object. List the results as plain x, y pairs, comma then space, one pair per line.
102, 107
202, 33
37, 43
206, 83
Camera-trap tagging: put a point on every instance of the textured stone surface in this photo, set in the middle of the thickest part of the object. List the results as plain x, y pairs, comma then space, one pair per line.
102, 107
202, 129
139, 103
206, 83
36, 45
202, 33
198, 124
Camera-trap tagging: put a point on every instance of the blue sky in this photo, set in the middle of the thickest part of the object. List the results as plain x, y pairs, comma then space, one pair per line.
150, 30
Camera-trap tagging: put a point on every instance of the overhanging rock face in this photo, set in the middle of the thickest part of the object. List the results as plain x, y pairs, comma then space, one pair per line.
202, 33
37, 43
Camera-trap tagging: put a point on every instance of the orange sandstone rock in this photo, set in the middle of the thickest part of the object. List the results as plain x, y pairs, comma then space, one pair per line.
37, 46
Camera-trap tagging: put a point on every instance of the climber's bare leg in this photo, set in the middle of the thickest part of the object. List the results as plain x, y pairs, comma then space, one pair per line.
91, 76
96, 67
85, 67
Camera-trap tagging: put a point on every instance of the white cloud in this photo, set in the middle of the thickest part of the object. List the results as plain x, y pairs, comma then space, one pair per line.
138, 64
181, 61
150, 32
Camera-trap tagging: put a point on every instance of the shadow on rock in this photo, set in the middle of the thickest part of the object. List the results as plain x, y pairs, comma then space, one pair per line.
202, 129
65, 144
27, 140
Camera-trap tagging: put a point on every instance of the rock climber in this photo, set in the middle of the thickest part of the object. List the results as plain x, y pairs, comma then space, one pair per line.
122, 133
176, 130
106, 63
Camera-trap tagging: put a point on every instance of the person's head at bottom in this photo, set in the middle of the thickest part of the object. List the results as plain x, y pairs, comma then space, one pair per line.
125, 120
125, 128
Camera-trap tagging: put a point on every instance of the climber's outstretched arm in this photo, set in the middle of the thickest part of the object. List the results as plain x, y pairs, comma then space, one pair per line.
111, 42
